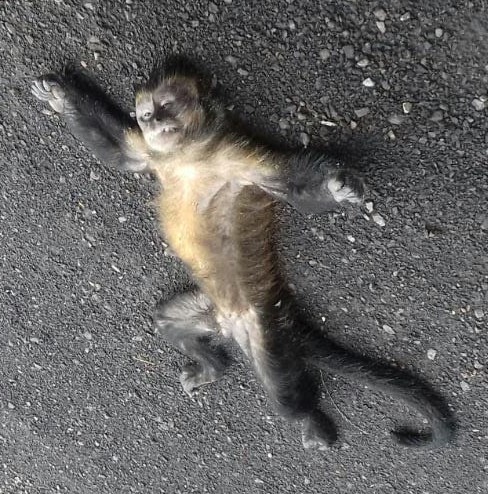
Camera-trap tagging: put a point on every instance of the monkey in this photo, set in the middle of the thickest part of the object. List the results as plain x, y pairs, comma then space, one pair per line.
220, 188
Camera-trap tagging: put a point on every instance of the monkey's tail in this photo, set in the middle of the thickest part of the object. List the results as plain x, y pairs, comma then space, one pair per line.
397, 383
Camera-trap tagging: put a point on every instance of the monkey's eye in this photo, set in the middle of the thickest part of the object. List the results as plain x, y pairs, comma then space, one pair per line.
166, 105
146, 115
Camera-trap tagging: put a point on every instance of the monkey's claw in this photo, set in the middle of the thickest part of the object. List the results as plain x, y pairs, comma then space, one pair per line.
346, 187
194, 376
48, 89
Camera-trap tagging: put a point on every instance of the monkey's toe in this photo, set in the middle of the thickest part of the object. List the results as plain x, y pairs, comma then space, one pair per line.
194, 376
49, 90
345, 186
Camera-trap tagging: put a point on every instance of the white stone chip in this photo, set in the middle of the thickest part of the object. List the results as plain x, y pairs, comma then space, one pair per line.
478, 104
378, 219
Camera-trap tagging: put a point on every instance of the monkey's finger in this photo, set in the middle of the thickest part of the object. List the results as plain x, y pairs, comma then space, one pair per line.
39, 91
46, 85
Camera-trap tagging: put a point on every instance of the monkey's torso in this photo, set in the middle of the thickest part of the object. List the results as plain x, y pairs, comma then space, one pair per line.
220, 224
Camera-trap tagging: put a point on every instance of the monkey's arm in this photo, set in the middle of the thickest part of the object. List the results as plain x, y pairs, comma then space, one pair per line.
92, 117
313, 183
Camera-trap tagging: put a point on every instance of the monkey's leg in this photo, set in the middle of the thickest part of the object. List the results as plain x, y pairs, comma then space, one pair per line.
188, 323
92, 116
293, 390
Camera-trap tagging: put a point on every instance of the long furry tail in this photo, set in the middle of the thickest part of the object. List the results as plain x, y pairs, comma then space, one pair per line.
399, 384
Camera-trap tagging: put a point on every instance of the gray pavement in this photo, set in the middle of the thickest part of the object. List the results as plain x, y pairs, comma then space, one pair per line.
89, 398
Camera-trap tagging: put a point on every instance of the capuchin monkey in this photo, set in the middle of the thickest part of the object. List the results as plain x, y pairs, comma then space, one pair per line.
217, 211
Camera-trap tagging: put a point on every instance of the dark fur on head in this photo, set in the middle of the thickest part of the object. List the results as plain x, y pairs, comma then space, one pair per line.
181, 71
181, 67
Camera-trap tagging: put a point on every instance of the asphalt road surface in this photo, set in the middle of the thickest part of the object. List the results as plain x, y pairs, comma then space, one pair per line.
90, 400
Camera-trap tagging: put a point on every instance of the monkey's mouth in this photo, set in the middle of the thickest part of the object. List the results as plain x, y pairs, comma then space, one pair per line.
169, 130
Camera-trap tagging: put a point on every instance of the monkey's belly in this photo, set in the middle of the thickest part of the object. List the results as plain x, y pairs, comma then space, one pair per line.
203, 243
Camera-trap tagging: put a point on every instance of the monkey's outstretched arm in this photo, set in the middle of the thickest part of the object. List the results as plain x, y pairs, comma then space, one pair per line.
92, 117
314, 183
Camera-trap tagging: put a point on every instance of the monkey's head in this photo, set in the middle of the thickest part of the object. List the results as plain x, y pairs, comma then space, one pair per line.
173, 106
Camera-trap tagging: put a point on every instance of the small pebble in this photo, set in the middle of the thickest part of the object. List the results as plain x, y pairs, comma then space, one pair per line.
362, 112
405, 17
324, 54
351, 238
242, 72
348, 51
380, 14
122, 219
396, 119
388, 329
407, 107
368, 82
478, 104
87, 335
381, 26
369, 206
431, 354
465, 386
94, 175
230, 59
391, 135
283, 124
364, 62
437, 116
378, 219
438, 32
477, 365
11, 406
479, 313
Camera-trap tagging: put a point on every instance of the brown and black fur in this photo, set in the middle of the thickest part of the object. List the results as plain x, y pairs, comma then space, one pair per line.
217, 211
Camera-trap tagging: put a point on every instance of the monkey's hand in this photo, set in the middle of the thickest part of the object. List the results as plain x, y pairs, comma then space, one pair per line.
47, 88
313, 183
92, 117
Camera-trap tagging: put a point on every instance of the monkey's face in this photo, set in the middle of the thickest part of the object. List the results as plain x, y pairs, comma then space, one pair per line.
167, 113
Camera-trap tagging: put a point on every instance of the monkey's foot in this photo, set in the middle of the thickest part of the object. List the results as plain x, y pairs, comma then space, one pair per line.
344, 186
48, 89
194, 376
318, 432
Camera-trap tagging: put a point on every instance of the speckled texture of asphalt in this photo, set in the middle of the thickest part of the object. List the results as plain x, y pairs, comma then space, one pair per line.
90, 400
